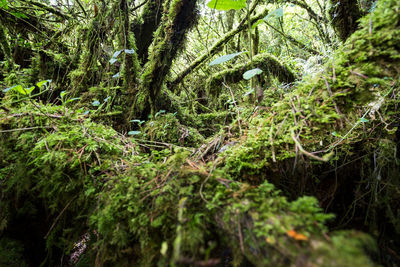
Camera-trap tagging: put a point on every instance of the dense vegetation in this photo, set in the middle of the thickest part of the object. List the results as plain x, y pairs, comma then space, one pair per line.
185, 133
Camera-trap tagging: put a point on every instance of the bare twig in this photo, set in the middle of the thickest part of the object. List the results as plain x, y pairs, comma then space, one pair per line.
304, 151
58, 218
26, 129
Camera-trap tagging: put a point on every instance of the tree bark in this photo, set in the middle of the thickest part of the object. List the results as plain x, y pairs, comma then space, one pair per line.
345, 15
179, 16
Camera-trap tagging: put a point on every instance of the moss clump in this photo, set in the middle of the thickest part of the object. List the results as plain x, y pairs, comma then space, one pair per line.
12, 253
167, 128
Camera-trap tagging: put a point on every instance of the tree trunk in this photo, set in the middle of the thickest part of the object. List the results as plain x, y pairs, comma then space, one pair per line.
179, 16
345, 15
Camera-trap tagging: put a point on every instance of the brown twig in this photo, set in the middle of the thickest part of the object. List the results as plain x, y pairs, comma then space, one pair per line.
58, 217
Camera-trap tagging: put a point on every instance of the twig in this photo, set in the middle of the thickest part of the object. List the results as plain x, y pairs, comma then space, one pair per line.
240, 233
58, 217
25, 129
237, 108
304, 151
204, 182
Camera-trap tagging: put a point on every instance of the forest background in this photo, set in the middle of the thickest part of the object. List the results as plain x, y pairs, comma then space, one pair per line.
192, 133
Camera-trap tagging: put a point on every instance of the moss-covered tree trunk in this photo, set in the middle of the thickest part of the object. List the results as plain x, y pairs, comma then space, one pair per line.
145, 26
179, 16
345, 15
131, 65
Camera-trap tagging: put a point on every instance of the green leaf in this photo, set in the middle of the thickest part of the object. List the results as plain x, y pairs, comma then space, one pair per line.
90, 191
336, 134
251, 73
131, 51
73, 99
96, 103
3, 4
116, 54
29, 90
257, 23
134, 132
225, 5
20, 15
62, 94
140, 122
164, 248
277, 13
224, 58
20, 90
41, 83
248, 92
159, 113
363, 120
9, 88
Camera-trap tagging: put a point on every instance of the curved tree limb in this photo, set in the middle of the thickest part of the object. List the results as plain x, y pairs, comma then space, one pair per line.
266, 62
49, 9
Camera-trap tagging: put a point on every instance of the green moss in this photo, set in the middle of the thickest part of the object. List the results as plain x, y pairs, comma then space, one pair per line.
11, 253
167, 128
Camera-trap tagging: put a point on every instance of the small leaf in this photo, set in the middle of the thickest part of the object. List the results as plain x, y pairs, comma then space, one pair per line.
73, 99
134, 132
159, 113
96, 103
9, 88
224, 58
251, 73
20, 89
107, 98
248, 92
131, 51
90, 191
336, 134
62, 94
113, 60
277, 13
328, 156
116, 54
138, 121
20, 15
257, 23
116, 75
41, 83
225, 5
30, 89
164, 248
297, 236
363, 120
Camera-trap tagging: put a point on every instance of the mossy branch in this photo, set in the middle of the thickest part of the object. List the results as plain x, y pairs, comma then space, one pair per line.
266, 62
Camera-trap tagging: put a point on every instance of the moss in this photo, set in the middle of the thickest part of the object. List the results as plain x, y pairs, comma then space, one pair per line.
167, 128
11, 253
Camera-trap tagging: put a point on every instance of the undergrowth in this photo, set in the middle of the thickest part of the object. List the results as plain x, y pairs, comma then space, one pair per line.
165, 195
